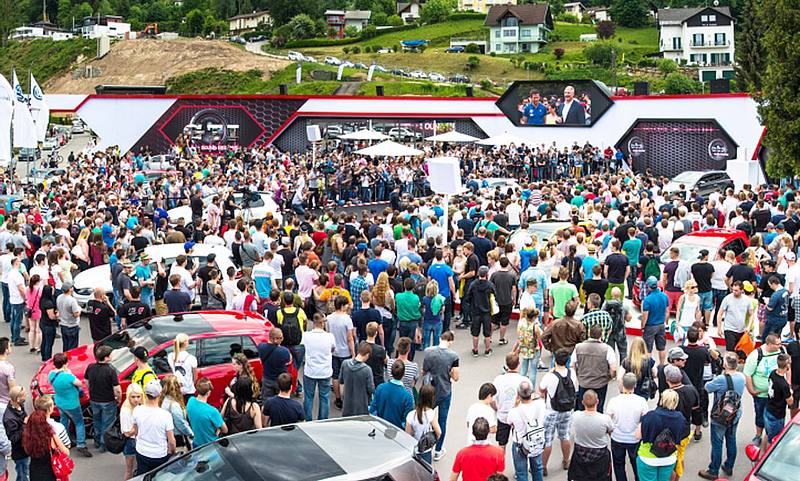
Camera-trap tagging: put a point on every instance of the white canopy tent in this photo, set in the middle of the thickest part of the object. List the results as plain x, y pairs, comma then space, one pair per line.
452, 136
389, 148
503, 140
365, 134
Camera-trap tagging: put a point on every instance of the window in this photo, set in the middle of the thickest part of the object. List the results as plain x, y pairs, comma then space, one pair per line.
708, 18
497, 33
719, 38
497, 47
249, 348
160, 360
526, 32
510, 22
697, 39
736, 245
781, 463
699, 58
509, 33
217, 350
676, 43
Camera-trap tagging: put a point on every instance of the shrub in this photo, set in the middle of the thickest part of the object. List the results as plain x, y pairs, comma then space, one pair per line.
472, 62
351, 31
380, 18
666, 66
600, 53
356, 49
493, 54
346, 50
558, 53
369, 31
472, 48
394, 20
605, 29
486, 84
567, 17
677, 83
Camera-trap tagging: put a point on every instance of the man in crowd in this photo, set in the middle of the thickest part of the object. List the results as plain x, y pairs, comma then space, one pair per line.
441, 364
391, 400
477, 301
356, 377
558, 418
507, 385
318, 370
102, 382
735, 309
626, 411
655, 313
595, 364
757, 370
275, 360
206, 421
69, 317
153, 428
480, 459
282, 409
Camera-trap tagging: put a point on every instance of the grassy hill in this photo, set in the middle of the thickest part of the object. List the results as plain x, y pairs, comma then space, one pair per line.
45, 58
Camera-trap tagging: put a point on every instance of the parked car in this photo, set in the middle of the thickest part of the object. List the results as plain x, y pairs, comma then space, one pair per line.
38, 176
213, 337
309, 58
385, 50
100, 276
455, 49
398, 72
403, 134
380, 68
347, 64
361, 66
459, 79
544, 230
705, 182
258, 38
419, 74
782, 459
160, 162
332, 61
260, 204
353, 448
51, 143
436, 77
154, 175
295, 56
78, 127
237, 39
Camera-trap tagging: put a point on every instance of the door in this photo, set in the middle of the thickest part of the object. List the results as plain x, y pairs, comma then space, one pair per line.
214, 362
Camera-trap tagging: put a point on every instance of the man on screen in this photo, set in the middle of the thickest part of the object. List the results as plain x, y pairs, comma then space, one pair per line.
534, 111
571, 111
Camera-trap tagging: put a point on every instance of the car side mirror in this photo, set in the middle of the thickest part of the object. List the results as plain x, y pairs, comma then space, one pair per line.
753, 452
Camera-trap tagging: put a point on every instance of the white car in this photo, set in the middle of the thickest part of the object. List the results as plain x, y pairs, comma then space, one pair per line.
348, 64
436, 77
160, 162
403, 134
261, 204
503, 183
77, 127
418, 74
100, 276
50, 143
38, 176
295, 56
332, 61
380, 68
309, 58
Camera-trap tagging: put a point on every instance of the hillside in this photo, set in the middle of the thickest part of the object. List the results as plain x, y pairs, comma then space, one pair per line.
152, 62
44, 58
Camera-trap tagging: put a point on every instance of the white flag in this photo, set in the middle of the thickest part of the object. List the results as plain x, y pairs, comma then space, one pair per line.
339, 72
298, 73
24, 128
39, 110
6, 109
370, 72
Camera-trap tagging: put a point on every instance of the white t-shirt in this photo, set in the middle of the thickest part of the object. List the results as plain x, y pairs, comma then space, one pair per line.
626, 410
319, 354
718, 277
793, 276
231, 291
479, 410
152, 425
183, 369
186, 278
549, 384
15, 279
340, 325
514, 210
428, 417
506, 385
528, 420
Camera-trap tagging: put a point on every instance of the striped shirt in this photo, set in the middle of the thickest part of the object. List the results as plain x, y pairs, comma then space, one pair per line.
601, 317
410, 376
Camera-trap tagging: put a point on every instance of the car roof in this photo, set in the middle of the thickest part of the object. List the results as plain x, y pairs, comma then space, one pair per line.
165, 328
724, 233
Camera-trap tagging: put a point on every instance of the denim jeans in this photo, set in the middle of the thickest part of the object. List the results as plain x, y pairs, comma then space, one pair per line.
601, 398
719, 433
772, 327
618, 452
773, 425
48, 339
431, 330
103, 414
16, 321
6, 302
631, 279
409, 330
311, 386
522, 463
444, 409
389, 332
298, 356
69, 337
719, 295
22, 467
529, 365
448, 313
148, 299
75, 416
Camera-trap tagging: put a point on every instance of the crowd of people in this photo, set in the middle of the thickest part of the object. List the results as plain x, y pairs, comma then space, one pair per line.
367, 307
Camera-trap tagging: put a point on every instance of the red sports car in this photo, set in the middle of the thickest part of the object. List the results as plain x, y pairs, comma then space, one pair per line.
782, 459
213, 337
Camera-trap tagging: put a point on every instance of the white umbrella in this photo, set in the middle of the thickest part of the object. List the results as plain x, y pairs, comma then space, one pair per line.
503, 139
389, 149
452, 136
366, 134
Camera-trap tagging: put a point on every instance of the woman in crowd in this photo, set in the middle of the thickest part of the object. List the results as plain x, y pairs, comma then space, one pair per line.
184, 365
640, 363
527, 346
240, 412
48, 321
243, 370
134, 396
33, 295
80, 251
40, 442
424, 419
433, 305
383, 299
172, 400
651, 464
216, 296
688, 310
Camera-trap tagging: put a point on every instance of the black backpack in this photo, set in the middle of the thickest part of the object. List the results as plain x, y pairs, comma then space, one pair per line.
664, 444
614, 309
292, 334
113, 438
727, 408
564, 398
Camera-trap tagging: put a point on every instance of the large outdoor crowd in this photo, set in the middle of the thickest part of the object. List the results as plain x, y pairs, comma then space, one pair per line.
355, 298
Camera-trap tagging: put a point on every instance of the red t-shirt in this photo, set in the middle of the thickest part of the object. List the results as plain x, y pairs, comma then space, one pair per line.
479, 461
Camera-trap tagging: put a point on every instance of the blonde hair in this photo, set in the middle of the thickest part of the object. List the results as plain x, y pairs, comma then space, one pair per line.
381, 289
431, 289
133, 388
637, 354
171, 387
177, 345
669, 400
44, 403
690, 284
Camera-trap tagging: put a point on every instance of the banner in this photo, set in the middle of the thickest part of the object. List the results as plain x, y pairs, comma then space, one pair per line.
339, 72
298, 74
24, 128
370, 72
6, 109
39, 110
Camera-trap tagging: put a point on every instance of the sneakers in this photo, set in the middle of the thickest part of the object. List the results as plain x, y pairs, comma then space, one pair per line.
488, 352
338, 403
84, 451
705, 474
502, 342
729, 472
437, 455
698, 435
463, 325
474, 353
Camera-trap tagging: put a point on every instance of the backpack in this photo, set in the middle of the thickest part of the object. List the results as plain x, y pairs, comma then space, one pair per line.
564, 398
652, 268
615, 310
664, 444
292, 334
727, 408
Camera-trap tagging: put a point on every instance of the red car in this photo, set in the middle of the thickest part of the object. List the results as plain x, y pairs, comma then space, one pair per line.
213, 337
782, 459
692, 243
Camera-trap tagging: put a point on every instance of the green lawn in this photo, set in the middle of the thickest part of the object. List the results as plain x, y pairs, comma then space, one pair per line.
44, 57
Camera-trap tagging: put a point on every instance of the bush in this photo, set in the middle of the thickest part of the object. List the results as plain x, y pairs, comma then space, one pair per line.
436, 11
380, 18
677, 83
605, 29
302, 27
351, 31
647, 62
369, 31
485, 84
567, 17
355, 50
346, 50
666, 66
558, 53
472, 62
600, 53
493, 54
394, 20
472, 48
467, 16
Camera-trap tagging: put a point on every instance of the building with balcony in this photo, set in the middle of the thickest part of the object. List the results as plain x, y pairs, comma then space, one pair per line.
701, 36
409, 10
41, 30
339, 20
248, 22
482, 6
518, 28
111, 26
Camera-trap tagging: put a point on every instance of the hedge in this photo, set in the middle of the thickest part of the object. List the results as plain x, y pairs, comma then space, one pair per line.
466, 16
333, 42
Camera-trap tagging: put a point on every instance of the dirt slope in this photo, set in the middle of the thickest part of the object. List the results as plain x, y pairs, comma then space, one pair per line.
152, 62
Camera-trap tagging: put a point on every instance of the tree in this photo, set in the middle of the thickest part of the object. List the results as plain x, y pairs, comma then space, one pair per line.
64, 18
677, 83
750, 53
472, 48
103, 8
558, 53
380, 18
9, 18
394, 20
600, 53
81, 11
780, 86
629, 13
666, 66
195, 20
436, 11
302, 26
472, 62
605, 29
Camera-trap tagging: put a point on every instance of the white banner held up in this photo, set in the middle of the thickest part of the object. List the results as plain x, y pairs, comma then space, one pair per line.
370, 72
340, 72
6, 110
40, 111
24, 128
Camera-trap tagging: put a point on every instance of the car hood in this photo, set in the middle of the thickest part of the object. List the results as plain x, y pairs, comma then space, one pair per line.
79, 360
99, 276
183, 211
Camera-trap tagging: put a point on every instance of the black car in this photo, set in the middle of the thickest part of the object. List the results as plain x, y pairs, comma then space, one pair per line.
355, 448
705, 182
399, 72
459, 79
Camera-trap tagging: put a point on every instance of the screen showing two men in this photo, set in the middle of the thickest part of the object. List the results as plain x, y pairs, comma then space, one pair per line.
538, 103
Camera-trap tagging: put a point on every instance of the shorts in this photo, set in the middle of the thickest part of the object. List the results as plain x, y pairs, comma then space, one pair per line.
130, 447
706, 301
557, 421
759, 406
680, 451
337, 365
481, 321
503, 317
673, 297
796, 307
503, 433
655, 334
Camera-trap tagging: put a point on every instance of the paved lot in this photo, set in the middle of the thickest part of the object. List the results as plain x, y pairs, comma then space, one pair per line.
474, 372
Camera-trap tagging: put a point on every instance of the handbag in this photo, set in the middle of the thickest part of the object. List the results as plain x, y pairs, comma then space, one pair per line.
113, 438
745, 345
62, 465
495, 308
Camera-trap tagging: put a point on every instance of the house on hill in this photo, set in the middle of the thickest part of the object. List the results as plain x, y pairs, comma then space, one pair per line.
518, 28
409, 10
247, 22
482, 6
702, 36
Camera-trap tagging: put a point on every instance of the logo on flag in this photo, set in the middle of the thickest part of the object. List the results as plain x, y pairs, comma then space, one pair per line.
20, 95
37, 92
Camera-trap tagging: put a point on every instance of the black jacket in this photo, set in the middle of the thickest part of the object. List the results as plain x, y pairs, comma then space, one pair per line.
14, 422
477, 297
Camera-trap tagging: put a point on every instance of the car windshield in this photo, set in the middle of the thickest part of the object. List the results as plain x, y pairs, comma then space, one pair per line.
204, 464
687, 177
783, 462
689, 251
123, 341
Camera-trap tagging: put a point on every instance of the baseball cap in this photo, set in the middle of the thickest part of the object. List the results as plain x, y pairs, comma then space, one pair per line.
140, 353
65, 286
673, 373
652, 282
769, 263
188, 246
702, 254
153, 388
781, 226
676, 353
748, 287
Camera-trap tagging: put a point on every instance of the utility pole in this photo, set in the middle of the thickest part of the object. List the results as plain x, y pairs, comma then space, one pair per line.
44, 11
614, 67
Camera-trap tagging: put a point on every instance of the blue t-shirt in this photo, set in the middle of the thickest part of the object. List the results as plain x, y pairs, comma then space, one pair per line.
143, 273
106, 231
632, 248
525, 256
66, 393
283, 411
376, 266
535, 113
205, 420
656, 305
778, 307
440, 273
588, 263
719, 385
